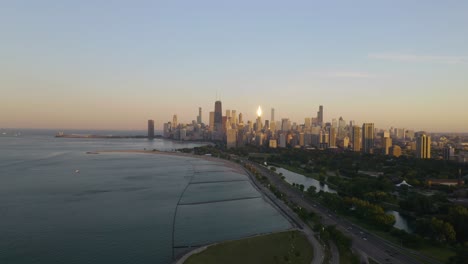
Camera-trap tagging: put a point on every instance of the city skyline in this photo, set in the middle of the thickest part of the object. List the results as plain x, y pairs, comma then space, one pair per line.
92, 65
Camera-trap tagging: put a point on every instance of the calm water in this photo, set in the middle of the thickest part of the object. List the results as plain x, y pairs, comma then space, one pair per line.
120, 207
292, 177
400, 221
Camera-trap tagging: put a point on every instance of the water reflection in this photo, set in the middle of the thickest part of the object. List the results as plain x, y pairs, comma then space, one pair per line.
400, 221
292, 177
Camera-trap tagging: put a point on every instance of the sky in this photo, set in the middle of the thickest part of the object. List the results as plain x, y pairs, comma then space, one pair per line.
116, 64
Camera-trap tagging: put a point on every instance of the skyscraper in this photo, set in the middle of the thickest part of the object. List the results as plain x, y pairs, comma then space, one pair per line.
285, 124
174, 121
233, 117
199, 117
356, 138
212, 114
150, 129
367, 137
272, 115
320, 116
423, 146
241, 121
231, 138
308, 122
386, 142
332, 137
218, 116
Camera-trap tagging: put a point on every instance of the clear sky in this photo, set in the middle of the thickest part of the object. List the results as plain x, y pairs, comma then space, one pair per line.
115, 64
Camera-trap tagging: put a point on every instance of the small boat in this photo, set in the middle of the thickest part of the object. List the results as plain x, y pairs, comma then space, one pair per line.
77, 171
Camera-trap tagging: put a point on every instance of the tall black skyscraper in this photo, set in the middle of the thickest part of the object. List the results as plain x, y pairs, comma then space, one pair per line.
218, 115
199, 117
150, 129
320, 115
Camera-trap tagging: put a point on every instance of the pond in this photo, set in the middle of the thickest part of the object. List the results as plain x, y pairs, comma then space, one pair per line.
292, 177
400, 221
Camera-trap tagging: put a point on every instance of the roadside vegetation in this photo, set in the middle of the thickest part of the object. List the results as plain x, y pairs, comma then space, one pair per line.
365, 186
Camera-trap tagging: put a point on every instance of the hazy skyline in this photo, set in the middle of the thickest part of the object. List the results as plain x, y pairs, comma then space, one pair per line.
95, 65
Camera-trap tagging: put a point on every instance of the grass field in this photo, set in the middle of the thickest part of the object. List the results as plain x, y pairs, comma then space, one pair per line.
286, 247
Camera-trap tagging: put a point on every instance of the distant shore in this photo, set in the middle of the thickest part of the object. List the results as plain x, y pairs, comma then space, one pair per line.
59, 135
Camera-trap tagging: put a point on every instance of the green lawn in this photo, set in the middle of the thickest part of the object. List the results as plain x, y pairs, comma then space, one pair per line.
285, 247
440, 253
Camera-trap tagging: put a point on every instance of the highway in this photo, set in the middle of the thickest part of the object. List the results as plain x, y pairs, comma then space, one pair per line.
294, 219
364, 243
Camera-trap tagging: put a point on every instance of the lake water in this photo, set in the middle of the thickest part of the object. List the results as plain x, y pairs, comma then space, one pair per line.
292, 177
120, 207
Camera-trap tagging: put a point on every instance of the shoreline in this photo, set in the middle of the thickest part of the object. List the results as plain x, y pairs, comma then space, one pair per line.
232, 165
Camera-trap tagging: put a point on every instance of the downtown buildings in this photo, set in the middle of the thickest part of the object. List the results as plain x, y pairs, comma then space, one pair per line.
230, 129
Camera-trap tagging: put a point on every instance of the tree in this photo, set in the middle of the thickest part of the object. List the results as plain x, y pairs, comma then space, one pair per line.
458, 217
442, 231
312, 191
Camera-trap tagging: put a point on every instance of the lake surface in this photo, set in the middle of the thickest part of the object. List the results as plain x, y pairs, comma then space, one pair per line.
292, 177
119, 207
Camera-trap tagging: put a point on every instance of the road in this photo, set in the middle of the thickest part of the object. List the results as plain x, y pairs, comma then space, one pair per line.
365, 243
293, 218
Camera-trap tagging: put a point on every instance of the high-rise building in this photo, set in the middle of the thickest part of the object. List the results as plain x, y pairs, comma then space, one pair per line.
199, 117
409, 134
272, 115
259, 124
356, 138
285, 124
334, 122
323, 137
282, 140
332, 136
346, 142
386, 142
241, 121
234, 117
218, 116
273, 126
423, 146
308, 122
231, 138
367, 137
174, 122
167, 129
301, 139
212, 114
320, 116
448, 153
150, 129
